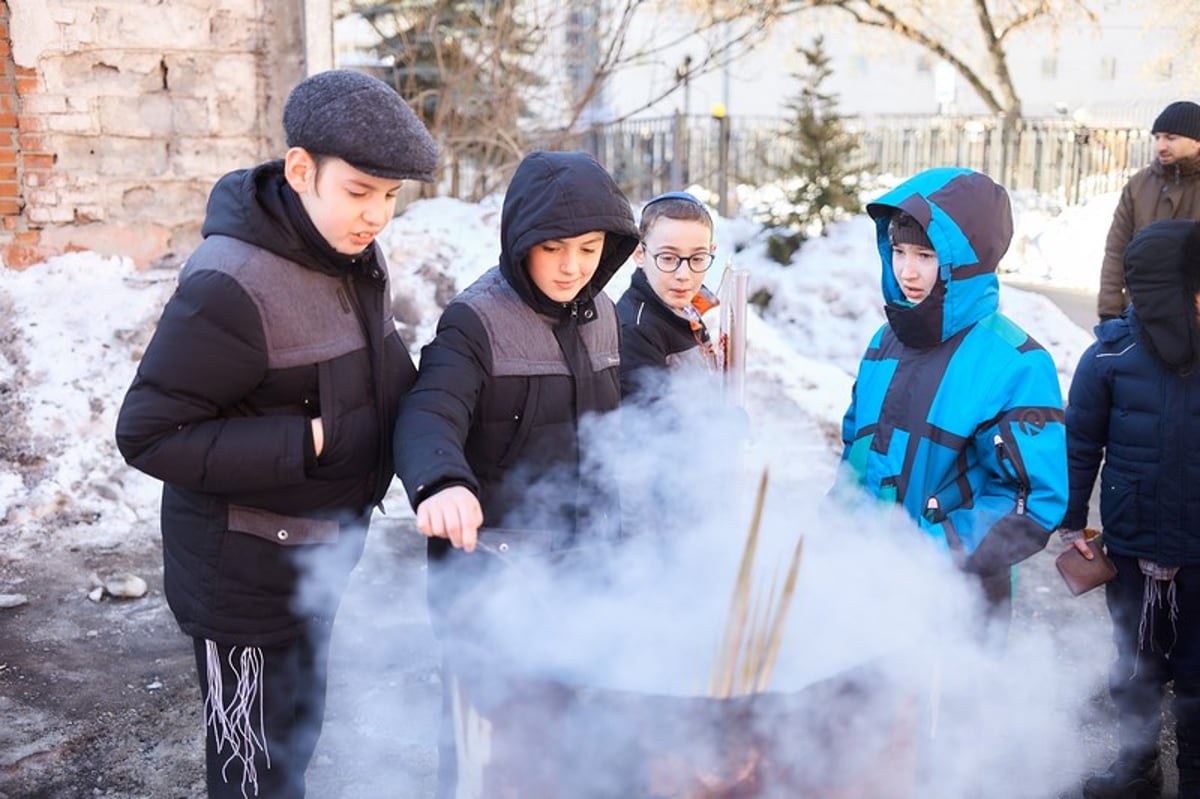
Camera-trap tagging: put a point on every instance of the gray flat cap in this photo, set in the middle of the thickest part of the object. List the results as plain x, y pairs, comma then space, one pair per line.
361, 120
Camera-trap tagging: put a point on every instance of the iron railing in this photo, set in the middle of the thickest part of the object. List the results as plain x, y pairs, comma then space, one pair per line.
1063, 160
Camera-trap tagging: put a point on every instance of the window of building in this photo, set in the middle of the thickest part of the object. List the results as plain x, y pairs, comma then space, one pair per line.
1108, 68
1050, 66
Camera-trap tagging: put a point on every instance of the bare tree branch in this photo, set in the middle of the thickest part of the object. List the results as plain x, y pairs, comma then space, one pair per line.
977, 52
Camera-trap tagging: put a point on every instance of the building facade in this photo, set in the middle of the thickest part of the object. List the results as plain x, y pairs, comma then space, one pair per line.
1119, 68
116, 117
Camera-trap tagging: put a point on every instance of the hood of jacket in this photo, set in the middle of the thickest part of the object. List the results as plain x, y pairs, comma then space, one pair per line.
257, 206
1162, 273
968, 219
558, 195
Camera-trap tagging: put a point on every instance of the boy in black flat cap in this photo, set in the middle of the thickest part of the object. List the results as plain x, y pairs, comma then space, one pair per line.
265, 403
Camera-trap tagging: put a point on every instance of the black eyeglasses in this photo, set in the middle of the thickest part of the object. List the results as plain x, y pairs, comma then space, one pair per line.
669, 261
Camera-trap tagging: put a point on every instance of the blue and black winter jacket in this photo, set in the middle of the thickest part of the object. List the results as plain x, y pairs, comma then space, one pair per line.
956, 413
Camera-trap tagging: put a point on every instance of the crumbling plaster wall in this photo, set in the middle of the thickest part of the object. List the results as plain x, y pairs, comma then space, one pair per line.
116, 116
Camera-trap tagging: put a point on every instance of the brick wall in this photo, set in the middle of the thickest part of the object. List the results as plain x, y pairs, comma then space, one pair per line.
116, 118
12, 166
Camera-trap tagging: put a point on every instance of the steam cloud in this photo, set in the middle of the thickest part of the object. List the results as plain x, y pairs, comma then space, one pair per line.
888, 681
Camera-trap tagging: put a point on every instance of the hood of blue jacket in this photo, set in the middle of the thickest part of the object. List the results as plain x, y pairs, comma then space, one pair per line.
968, 218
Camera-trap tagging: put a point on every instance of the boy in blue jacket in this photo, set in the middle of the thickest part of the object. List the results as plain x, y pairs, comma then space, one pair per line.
1135, 406
956, 415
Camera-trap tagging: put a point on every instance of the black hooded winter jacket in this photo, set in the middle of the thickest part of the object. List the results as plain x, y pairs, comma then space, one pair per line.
510, 373
654, 338
268, 328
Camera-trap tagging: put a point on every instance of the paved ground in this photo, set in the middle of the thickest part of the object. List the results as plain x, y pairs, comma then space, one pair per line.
1077, 304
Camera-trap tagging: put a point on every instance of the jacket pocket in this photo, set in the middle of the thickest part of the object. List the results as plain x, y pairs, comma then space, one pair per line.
288, 531
1118, 504
328, 409
525, 421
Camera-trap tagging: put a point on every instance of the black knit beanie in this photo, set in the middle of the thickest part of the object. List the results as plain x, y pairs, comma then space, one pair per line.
1181, 118
361, 120
904, 229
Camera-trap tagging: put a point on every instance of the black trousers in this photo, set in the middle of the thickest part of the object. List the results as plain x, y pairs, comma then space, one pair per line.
1169, 652
447, 773
285, 709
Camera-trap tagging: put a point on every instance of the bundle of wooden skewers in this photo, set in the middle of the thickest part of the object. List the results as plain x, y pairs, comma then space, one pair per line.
754, 628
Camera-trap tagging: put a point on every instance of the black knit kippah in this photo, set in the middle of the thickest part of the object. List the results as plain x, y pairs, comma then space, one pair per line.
1181, 117
361, 120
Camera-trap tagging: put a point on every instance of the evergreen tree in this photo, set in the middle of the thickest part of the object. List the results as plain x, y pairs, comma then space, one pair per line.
824, 167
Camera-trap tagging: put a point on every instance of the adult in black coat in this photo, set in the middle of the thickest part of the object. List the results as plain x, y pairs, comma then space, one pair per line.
265, 403
1134, 406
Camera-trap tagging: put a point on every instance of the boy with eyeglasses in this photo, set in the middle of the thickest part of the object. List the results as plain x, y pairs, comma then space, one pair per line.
662, 311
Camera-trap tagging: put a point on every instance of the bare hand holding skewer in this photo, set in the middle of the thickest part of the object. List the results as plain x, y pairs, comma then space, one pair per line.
452, 513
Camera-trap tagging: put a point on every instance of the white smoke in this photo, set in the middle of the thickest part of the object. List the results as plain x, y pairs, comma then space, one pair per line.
888, 682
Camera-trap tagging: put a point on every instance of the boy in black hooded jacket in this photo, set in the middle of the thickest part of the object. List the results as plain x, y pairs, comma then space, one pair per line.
1134, 406
489, 435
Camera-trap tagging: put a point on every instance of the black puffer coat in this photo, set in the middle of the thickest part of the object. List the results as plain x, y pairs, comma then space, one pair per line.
654, 338
1134, 406
509, 375
269, 327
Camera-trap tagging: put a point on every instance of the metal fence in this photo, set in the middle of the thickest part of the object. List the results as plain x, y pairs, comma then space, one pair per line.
1058, 158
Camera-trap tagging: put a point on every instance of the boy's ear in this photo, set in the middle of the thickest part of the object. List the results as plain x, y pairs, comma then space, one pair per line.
299, 169
639, 255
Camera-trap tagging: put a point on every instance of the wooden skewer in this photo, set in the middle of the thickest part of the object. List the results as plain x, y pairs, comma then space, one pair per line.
753, 635
776, 637
727, 653
745, 653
